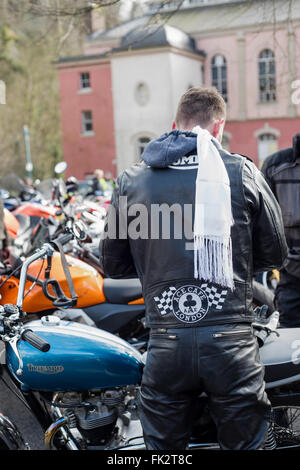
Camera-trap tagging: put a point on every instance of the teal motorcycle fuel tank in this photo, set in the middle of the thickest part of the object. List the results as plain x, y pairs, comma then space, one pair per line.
80, 358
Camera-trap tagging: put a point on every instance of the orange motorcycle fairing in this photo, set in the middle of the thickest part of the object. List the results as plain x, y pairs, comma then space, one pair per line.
11, 223
88, 284
35, 209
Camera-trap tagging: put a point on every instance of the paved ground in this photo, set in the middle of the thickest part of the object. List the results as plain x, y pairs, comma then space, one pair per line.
15, 410
22, 418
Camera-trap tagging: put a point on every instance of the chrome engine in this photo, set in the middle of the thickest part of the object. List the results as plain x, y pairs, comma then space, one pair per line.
93, 420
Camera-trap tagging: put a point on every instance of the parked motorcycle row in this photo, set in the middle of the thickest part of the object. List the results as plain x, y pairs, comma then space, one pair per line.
76, 357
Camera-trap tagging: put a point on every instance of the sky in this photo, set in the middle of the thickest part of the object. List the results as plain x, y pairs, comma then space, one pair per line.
125, 8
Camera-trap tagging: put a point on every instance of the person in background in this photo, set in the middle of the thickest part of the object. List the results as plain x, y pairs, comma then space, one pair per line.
110, 180
99, 182
282, 172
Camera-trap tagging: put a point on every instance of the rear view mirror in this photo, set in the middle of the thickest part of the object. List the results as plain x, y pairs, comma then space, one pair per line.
60, 168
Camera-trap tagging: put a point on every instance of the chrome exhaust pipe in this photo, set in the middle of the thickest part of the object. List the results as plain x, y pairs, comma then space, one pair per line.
52, 431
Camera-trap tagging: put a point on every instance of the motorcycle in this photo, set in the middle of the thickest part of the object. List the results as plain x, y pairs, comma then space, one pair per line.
12, 224
54, 195
99, 390
82, 383
113, 305
58, 199
30, 211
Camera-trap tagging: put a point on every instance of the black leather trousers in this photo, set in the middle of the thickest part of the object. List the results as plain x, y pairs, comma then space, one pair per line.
221, 361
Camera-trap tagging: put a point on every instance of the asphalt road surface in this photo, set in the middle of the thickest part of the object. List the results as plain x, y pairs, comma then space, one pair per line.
19, 414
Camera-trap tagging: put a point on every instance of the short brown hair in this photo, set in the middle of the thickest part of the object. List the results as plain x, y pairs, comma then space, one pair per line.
200, 106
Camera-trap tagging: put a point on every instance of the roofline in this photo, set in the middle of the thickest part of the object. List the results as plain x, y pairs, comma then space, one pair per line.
96, 59
78, 60
252, 28
119, 52
194, 34
90, 38
194, 7
161, 12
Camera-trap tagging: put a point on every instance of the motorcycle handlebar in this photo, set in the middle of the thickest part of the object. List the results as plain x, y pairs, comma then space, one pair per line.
39, 254
35, 340
64, 239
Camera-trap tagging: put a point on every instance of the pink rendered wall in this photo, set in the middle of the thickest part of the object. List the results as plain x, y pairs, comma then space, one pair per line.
277, 115
277, 41
244, 141
86, 153
254, 43
228, 47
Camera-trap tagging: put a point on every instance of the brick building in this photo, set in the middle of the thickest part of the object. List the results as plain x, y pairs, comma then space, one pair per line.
123, 91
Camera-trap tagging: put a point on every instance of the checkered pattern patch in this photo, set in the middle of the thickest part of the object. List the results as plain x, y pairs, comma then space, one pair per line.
216, 297
164, 302
190, 301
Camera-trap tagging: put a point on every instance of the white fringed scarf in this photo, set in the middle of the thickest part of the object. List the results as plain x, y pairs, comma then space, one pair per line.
213, 214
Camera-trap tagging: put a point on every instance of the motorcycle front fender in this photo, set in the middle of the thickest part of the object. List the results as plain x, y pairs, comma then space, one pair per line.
10, 436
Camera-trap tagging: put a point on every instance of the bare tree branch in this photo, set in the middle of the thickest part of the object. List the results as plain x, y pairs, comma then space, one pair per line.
69, 8
157, 19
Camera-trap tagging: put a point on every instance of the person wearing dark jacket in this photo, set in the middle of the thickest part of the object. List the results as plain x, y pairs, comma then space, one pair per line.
195, 223
282, 172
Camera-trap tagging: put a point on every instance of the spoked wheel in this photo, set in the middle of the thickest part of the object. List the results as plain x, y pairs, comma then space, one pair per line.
284, 432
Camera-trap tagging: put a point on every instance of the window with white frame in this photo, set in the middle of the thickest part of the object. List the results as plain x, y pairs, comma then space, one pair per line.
267, 144
87, 122
267, 76
140, 144
219, 75
84, 80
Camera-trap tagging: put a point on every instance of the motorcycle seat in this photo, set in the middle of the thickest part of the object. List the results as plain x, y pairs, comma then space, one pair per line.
281, 357
122, 291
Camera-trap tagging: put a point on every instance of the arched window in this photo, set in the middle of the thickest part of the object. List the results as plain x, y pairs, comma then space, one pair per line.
139, 143
267, 144
142, 144
219, 75
267, 76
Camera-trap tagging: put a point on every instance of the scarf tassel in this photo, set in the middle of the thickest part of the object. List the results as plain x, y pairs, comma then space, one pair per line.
213, 260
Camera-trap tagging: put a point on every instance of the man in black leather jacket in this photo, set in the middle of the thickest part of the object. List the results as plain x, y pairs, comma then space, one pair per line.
201, 338
282, 172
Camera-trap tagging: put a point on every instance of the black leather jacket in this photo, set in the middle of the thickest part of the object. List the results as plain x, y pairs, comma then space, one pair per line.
282, 173
172, 296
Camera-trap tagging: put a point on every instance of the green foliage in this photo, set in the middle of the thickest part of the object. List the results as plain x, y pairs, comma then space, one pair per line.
33, 34
29, 46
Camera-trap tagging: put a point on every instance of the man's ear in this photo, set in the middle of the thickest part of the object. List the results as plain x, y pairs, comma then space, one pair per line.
173, 125
217, 127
